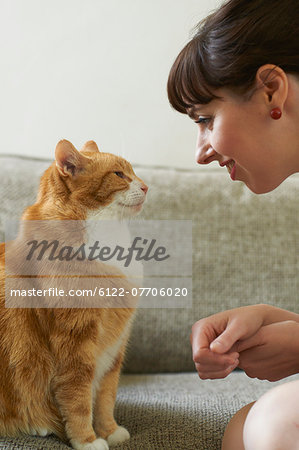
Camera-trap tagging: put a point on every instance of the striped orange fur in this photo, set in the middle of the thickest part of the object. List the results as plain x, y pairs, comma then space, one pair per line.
60, 367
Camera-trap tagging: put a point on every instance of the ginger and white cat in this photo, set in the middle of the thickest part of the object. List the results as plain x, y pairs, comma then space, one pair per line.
60, 367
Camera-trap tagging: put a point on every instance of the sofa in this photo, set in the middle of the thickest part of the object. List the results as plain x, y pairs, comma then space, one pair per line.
245, 251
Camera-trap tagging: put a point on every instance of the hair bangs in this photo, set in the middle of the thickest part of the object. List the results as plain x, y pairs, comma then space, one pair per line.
187, 82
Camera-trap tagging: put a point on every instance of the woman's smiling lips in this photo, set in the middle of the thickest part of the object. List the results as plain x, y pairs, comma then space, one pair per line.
233, 172
231, 167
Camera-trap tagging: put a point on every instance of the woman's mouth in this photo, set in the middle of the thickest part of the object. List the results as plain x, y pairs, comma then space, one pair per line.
233, 172
231, 167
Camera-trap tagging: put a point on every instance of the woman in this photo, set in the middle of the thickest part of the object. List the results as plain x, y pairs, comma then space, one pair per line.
238, 79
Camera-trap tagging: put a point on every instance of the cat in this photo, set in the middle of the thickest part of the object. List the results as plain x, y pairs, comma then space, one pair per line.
60, 367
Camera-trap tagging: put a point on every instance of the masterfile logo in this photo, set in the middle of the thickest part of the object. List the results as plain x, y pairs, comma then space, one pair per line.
99, 264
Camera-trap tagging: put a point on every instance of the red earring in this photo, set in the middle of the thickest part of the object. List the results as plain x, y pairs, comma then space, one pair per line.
276, 113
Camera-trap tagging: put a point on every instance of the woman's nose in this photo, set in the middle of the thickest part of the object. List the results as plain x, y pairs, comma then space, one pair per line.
205, 155
204, 151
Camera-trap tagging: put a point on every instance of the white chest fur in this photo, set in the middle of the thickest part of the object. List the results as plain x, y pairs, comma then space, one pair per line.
107, 358
112, 234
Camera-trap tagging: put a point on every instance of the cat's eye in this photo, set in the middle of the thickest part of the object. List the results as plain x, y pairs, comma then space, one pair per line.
120, 174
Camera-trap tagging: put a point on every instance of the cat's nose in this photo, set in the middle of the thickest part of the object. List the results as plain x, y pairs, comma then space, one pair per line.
144, 188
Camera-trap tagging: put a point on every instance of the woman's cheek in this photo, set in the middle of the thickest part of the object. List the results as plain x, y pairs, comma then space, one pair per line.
227, 143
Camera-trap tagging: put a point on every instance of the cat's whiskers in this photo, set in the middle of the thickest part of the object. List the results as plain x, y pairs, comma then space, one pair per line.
123, 210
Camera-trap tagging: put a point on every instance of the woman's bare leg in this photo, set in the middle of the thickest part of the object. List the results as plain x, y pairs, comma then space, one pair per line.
270, 423
273, 422
233, 436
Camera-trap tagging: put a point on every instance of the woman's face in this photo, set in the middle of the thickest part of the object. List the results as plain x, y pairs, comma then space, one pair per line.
242, 135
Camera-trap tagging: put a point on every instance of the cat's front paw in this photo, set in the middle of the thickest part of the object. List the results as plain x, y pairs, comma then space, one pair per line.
39, 432
98, 444
118, 436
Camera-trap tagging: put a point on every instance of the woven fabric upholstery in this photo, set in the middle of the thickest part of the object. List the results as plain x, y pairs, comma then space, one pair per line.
170, 411
245, 251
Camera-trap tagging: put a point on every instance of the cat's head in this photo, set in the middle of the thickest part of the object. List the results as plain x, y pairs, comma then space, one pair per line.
98, 184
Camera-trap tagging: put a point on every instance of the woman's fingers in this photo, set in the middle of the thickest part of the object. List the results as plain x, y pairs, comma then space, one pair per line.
206, 373
208, 363
211, 365
205, 356
217, 340
225, 341
202, 335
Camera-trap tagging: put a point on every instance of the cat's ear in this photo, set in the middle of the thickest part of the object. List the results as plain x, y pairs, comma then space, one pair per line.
69, 161
90, 146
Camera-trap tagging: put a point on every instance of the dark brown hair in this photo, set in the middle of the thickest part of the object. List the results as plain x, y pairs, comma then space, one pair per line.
230, 45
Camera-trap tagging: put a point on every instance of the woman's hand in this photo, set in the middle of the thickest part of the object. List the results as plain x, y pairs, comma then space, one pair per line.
272, 353
213, 339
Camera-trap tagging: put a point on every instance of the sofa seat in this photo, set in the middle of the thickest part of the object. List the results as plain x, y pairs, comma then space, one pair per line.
170, 411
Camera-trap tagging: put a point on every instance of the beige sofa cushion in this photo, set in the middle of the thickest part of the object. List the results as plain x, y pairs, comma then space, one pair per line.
245, 249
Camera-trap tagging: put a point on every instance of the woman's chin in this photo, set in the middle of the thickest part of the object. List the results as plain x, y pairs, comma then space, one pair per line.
262, 188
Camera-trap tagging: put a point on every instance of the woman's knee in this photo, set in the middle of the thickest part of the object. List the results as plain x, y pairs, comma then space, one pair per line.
273, 421
233, 436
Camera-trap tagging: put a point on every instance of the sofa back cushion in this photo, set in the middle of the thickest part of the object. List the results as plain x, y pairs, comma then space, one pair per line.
245, 250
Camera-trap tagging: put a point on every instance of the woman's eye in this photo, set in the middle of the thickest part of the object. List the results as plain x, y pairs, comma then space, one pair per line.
203, 120
120, 174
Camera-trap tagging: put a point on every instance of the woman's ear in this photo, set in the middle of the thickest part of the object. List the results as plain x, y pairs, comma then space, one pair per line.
274, 83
